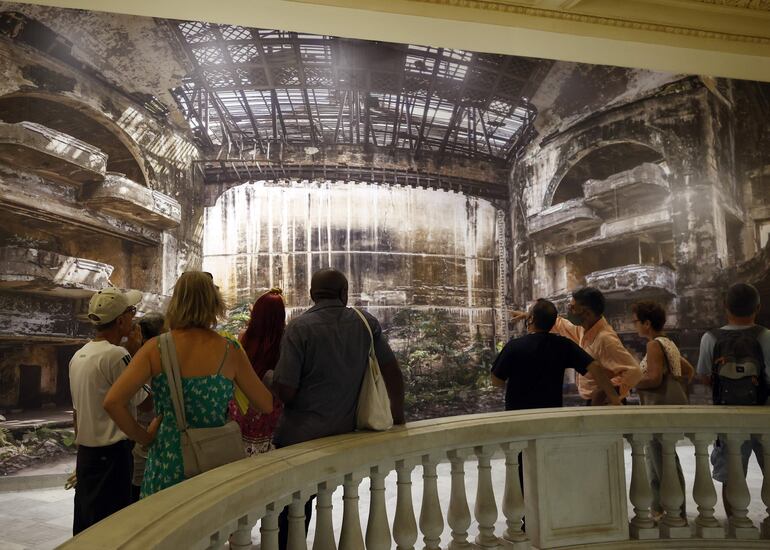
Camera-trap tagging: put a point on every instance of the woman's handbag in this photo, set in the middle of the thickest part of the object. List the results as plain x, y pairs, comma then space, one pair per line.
373, 410
671, 391
203, 449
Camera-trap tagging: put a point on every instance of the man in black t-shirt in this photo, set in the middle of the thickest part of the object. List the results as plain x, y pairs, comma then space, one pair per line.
533, 365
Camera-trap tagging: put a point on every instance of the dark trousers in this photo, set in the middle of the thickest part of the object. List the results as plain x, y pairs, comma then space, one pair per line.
103, 483
283, 523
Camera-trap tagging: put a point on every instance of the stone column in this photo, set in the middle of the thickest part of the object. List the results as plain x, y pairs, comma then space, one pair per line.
642, 526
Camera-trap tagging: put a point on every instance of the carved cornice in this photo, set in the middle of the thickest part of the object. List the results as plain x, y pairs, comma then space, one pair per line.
762, 5
509, 7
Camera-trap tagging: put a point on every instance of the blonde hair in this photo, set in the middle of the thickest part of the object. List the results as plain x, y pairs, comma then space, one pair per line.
196, 302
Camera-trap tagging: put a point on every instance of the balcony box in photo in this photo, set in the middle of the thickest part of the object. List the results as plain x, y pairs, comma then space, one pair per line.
50, 153
123, 198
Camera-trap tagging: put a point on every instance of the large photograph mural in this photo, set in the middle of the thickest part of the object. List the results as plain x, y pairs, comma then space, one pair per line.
451, 186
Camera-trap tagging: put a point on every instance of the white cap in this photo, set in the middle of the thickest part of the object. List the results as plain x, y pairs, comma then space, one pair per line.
109, 303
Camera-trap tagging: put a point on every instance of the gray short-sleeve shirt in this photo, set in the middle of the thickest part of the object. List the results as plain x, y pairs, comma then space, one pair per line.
324, 354
708, 341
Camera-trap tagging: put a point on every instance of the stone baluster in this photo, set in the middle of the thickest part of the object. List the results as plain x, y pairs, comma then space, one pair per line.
673, 525
737, 491
765, 439
703, 492
513, 500
486, 508
458, 514
324, 528
377, 527
217, 541
241, 537
404, 524
297, 537
642, 526
268, 529
351, 537
431, 519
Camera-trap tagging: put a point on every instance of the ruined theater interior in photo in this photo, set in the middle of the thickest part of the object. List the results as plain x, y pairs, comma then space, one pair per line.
451, 186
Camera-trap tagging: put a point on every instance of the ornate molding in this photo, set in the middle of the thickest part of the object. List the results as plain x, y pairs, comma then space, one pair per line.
762, 5
510, 8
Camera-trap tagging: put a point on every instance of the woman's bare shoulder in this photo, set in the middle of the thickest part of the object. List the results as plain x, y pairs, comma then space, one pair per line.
653, 346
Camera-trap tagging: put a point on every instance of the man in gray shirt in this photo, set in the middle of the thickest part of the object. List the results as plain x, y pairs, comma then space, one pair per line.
324, 355
742, 303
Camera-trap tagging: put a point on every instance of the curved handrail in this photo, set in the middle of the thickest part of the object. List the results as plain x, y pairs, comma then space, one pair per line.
195, 509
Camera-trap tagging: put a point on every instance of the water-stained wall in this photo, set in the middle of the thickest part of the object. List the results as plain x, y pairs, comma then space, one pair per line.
648, 196
400, 247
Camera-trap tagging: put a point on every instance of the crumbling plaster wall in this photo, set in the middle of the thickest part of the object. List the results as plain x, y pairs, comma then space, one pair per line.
119, 47
402, 248
691, 123
118, 50
164, 152
14, 359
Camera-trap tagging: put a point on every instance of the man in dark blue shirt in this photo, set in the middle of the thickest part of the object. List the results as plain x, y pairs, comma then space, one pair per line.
533, 365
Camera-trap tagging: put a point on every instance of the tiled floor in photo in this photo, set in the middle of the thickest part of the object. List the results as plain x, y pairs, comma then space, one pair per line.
42, 519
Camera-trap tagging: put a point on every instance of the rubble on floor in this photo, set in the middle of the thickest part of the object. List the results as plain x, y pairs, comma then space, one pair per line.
32, 448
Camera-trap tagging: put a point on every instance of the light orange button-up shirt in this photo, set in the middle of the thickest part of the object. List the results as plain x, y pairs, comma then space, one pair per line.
603, 344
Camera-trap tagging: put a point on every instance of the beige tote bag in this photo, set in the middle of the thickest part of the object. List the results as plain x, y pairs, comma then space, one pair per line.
203, 449
373, 410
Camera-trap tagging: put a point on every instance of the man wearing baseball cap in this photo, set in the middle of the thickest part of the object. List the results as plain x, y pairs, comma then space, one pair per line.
104, 463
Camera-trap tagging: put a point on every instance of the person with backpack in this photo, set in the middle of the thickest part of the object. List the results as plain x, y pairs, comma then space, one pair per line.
736, 356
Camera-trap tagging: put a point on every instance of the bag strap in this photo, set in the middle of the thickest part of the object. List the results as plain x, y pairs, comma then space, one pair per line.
170, 365
666, 364
224, 357
368, 328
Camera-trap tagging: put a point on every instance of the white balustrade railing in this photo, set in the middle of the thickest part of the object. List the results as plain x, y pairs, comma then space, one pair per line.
574, 487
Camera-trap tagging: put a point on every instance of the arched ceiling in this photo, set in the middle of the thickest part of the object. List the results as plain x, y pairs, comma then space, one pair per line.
250, 88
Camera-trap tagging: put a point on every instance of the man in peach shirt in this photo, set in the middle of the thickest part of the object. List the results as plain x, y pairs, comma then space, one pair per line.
597, 337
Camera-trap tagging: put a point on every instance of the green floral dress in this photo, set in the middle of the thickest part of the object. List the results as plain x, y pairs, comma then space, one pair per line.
205, 403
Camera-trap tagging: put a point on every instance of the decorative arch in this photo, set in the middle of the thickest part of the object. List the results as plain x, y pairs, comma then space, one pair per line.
80, 121
661, 147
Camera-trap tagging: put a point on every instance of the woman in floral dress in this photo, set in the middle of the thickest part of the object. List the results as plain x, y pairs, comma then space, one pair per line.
261, 340
208, 363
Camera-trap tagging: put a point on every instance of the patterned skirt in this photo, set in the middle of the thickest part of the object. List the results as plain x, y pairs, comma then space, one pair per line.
256, 428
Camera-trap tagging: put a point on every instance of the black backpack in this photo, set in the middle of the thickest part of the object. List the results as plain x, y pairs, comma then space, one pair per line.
738, 370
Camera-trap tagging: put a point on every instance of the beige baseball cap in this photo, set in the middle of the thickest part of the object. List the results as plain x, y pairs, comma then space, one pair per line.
107, 304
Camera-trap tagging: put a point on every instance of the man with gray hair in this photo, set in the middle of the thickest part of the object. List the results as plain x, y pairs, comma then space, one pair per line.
324, 355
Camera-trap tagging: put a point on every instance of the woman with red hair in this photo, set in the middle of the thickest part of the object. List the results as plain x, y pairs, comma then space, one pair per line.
261, 340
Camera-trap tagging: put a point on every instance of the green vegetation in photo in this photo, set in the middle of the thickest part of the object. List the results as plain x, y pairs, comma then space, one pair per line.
446, 372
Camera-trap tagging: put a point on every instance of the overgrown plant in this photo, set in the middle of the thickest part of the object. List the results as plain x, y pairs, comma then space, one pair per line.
445, 370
